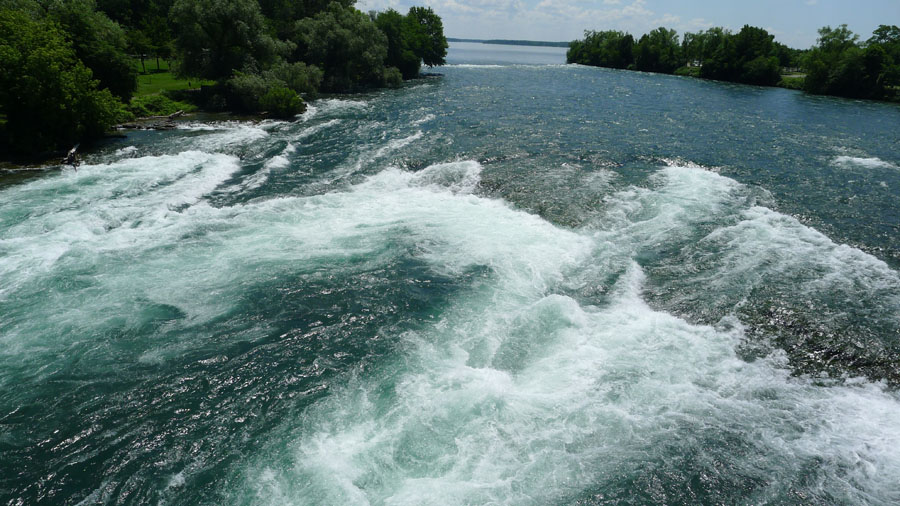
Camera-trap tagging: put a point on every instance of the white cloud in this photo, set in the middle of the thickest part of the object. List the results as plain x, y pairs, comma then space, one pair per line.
542, 19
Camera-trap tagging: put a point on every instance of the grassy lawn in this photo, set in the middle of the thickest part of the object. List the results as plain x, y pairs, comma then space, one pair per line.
156, 81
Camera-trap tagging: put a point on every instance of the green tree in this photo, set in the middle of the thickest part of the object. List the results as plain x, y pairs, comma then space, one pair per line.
400, 49
141, 45
99, 43
887, 37
412, 39
839, 65
692, 47
47, 95
214, 38
658, 51
749, 56
345, 44
429, 42
603, 49
282, 102
301, 78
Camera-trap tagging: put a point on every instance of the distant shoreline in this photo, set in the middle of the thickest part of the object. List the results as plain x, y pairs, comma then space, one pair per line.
505, 42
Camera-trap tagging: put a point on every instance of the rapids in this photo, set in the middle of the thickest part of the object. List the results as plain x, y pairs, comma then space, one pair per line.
515, 283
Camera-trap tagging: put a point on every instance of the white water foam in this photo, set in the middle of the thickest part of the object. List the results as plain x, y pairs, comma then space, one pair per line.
126, 151
863, 162
222, 135
424, 119
330, 106
520, 395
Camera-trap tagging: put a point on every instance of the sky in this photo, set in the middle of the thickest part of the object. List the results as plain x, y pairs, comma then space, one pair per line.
793, 22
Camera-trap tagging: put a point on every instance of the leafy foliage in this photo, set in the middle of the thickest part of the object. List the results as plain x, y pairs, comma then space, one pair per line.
71, 58
749, 56
658, 51
299, 77
603, 49
345, 44
215, 38
49, 97
412, 39
427, 34
400, 50
282, 102
840, 65
99, 43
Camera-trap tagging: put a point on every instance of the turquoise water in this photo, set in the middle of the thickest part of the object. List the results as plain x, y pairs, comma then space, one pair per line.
516, 283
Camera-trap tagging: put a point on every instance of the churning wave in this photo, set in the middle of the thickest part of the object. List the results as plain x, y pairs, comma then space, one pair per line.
596, 364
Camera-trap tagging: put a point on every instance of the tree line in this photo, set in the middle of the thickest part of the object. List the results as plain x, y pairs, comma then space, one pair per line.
69, 65
840, 64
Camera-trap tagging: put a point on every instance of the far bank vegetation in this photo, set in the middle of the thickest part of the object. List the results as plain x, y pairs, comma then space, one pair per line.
839, 64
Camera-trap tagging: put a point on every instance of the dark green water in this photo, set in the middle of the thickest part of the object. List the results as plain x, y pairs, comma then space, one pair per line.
515, 283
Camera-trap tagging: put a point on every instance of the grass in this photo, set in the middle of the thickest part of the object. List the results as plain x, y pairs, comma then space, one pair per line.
155, 81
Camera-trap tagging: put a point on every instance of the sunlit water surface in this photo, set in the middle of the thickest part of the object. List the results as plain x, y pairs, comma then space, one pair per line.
518, 282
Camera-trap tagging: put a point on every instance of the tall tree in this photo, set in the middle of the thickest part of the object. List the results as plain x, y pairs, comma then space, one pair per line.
99, 43
400, 47
658, 51
345, 44
429, 41
48, 96
839, 65
603, 49
214, 38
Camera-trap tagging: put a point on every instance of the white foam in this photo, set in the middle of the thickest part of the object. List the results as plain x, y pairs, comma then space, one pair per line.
277, 162
523, 395
221, 135
369, 155
126, 151
458, 177
477, 66
867, 163
424, 119
510, 401
331, 106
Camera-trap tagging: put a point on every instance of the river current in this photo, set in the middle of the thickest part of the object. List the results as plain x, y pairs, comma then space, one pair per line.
517, 282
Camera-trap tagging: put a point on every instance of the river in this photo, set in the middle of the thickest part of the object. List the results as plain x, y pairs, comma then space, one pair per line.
516, 282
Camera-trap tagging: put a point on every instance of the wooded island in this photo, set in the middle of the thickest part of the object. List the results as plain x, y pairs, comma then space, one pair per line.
838, 65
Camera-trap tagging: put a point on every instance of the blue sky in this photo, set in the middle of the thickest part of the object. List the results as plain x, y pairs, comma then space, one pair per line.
793, 22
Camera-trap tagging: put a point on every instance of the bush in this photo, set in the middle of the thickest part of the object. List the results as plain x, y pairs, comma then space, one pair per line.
245, 90
688, 71
300, 77
282, 102
393, 78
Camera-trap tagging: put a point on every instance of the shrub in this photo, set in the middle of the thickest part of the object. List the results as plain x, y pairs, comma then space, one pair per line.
393, 78
300, 77
688, 71
245, 90
282, 102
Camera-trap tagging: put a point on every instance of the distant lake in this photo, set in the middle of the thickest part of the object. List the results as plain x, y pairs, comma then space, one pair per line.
475, 53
